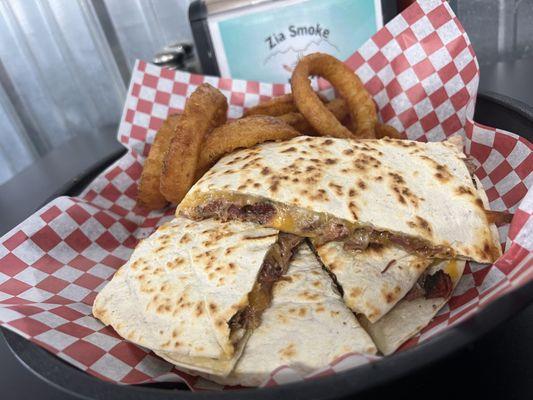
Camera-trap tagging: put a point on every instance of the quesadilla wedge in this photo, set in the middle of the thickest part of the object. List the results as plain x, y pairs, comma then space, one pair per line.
194, 290
428, 295
306, 327
414, 312
374, 279
418, 196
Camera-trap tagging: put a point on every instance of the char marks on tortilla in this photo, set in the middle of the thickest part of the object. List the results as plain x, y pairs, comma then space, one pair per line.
306, 327
375, 279
408, 317
422, 190
181, 287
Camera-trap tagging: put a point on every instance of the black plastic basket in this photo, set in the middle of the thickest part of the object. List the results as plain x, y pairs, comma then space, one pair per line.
492, 110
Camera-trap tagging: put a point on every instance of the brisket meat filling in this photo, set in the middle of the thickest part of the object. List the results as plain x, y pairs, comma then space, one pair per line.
431, 287
274, 266
321, 232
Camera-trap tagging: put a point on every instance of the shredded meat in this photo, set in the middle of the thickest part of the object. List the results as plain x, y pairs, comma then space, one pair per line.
431, 287
362, 237
470, 165
276, 262
242, 318
333, 231
260, 213
417, 246
211, 208
359, 240
232, 212
321, 230
438, 285
311, 226
274, 267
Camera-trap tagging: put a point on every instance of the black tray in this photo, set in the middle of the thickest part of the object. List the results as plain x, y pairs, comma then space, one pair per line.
491, 109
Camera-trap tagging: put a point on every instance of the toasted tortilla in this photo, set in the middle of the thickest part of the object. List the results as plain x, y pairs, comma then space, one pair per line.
306, 327
374, 279
414, 191
409, 317
181, 287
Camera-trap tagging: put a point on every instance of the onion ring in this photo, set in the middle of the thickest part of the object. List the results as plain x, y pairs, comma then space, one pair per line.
360, 103
275, 106
336, 106
149, 195
384, 130
242, 133
205, 109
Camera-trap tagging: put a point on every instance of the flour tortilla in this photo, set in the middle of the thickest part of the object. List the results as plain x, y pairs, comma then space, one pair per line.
409, 317
375, 279
306, 327
414, 189
181, 287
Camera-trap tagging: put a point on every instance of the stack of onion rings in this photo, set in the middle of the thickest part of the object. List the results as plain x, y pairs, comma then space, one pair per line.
204, 110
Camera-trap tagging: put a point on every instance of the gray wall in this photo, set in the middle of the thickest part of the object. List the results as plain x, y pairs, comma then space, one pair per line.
65, 64
499, 29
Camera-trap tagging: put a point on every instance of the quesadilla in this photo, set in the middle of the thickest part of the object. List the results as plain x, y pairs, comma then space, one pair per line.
306, 327
417, 309
418, 196
192, 291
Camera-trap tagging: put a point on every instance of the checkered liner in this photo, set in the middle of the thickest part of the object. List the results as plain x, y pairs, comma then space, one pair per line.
421, 70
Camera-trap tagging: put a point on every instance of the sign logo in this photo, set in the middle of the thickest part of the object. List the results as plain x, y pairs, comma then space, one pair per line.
294, 42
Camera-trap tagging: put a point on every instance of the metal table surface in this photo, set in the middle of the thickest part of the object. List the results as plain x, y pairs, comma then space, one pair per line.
496, 366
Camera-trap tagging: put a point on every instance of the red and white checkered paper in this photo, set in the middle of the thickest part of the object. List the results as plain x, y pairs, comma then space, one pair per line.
423, 74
